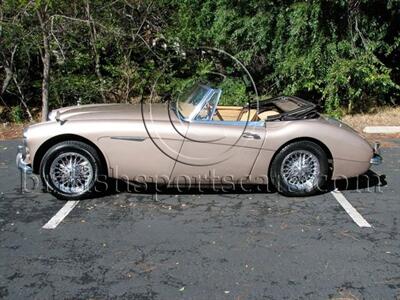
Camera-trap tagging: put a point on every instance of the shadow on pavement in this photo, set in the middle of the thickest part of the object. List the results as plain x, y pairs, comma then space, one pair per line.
110, 187
366, 181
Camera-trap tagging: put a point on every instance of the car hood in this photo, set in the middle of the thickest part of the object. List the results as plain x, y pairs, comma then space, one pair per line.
157, 111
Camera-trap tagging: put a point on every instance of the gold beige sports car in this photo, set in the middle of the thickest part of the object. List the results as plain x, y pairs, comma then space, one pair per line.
283, 142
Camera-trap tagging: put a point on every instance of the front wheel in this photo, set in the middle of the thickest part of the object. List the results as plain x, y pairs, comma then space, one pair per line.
300, 169
71, 170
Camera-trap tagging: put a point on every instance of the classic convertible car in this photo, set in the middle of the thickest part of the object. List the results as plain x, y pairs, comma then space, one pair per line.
283, 141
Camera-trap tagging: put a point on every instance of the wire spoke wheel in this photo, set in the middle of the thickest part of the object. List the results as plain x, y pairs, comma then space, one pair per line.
71, 173
300, 170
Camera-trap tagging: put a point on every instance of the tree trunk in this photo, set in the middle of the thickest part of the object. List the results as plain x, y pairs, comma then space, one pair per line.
22, 98
93, 40
7, 80
8, 67
46, 65
45, 82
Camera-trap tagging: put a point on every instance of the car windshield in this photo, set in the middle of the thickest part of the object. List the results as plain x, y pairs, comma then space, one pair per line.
209, 107
196, 104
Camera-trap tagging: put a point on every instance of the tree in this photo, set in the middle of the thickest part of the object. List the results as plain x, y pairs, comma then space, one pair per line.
341, 54
42, 15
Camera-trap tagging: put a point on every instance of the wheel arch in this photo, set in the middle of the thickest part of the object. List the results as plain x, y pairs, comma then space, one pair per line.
316, 141
62, 138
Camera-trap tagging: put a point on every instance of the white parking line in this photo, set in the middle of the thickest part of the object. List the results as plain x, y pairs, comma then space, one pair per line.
353, 213
60, 215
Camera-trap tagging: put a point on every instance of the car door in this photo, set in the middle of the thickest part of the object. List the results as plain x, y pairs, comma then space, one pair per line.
218, 152
144, 149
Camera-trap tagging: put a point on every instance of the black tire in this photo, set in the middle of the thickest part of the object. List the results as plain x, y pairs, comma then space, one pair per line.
315, 185
83, 150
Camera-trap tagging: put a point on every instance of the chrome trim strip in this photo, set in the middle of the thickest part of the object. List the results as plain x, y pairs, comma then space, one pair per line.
129, 138
232, 123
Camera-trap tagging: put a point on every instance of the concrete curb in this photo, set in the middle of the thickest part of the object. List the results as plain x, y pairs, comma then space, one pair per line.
382, 129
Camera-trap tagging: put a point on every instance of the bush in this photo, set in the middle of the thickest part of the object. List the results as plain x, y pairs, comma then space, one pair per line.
17, 115
340, 54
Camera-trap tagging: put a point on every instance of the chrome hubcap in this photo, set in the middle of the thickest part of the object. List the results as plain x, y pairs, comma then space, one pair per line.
300, 169
71, 172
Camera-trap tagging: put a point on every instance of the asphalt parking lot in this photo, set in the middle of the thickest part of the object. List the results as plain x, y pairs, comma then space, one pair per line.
201, 246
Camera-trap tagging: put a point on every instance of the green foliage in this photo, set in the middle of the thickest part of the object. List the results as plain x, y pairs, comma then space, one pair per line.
340, 54
78, 87
314, 49
233, 92
17, 115
358, 83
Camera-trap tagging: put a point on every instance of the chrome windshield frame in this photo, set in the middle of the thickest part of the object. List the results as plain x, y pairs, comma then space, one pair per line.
206, 98
200, 105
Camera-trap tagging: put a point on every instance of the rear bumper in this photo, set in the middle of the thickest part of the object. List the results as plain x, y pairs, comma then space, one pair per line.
376, 159
20, 161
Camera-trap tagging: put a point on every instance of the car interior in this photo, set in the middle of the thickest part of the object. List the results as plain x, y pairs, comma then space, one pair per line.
238, 113
278, 108
266, 110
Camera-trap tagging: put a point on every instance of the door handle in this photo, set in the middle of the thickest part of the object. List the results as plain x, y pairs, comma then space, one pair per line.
250, 135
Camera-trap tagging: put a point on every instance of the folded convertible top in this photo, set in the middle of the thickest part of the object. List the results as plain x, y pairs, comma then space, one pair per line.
290, 107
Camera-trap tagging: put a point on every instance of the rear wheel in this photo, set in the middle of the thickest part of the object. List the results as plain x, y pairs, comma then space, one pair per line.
300, 169
71, 170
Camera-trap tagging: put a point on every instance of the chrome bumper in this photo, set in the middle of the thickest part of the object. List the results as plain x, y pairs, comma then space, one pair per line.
20, 161
377, 158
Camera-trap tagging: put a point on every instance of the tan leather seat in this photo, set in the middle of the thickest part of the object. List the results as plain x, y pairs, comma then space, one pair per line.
237, 113
248, 115
229, 113
269, 113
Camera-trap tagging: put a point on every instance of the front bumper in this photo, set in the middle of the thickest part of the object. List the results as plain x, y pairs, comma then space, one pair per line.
20, 161
376, 158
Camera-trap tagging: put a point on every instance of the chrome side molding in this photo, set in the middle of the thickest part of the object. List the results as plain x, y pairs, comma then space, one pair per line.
129, 138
